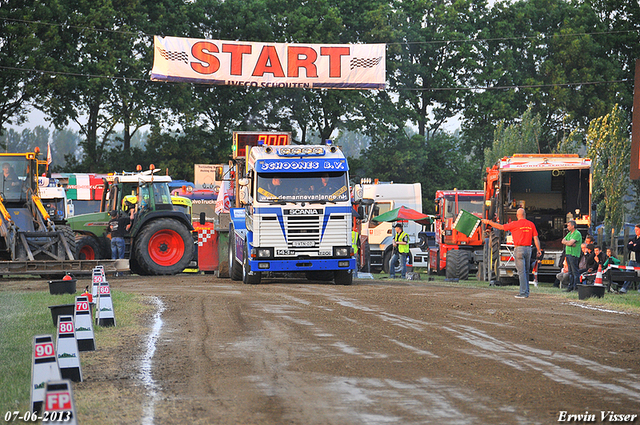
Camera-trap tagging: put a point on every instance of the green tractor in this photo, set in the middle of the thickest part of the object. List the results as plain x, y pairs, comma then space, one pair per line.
160, 240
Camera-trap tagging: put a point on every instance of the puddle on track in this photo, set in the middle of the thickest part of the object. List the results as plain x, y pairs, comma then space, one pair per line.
146, 377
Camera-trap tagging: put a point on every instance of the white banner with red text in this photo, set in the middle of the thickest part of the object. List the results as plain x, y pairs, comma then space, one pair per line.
267, 65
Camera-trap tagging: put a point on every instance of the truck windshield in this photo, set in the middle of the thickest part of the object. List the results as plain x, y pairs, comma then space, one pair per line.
307, 187
472, 204
14, 179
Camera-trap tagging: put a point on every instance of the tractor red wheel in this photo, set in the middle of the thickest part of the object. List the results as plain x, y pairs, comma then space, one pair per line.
163, 247
87, 253
166, 247
87, 248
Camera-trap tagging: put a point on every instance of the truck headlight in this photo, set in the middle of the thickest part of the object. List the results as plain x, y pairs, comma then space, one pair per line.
265, 252
341, 251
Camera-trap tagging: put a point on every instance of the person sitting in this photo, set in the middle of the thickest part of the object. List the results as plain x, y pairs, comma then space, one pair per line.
10, 179
583, 260
275, 186
610, 259
562, 278
595, 259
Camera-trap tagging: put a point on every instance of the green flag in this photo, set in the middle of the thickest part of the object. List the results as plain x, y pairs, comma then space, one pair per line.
466, 223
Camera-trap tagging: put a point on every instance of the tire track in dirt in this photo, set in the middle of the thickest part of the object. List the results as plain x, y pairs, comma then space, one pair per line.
374, 353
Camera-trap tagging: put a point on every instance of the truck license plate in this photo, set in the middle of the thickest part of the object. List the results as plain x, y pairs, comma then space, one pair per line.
303, 243
548, 262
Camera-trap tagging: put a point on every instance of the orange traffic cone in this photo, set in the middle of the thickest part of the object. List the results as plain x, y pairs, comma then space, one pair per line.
598, 276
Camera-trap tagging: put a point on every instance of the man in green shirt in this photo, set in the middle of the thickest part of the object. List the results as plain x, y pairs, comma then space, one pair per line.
572, 243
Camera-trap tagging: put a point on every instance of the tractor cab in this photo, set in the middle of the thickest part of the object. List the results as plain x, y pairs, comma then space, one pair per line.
18, 177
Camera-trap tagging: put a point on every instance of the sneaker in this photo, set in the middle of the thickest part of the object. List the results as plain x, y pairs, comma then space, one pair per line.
622, 291
521, 296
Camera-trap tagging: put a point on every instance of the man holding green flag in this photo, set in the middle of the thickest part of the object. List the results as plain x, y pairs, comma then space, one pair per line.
523, 232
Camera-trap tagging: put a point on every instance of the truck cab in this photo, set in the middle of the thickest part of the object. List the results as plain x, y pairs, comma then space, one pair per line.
442, 258
296, 214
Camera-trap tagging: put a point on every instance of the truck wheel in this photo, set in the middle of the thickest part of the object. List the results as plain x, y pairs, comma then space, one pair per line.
343, 277
386, 258
235, 269
398, 268
247, 278
87, 248
494, 261
164, 247
424, 241
457, 264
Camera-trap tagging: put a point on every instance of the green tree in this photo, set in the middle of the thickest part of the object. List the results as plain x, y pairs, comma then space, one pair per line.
20, 53
436, 164
101, 65
522, 137
425, 61
541, 54
26, 140
609, 147
63, 143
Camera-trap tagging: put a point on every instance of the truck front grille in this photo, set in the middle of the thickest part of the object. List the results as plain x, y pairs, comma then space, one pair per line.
303, 232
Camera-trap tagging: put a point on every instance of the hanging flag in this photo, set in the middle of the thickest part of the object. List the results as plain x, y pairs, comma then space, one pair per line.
223, 203
49, 159
466, 223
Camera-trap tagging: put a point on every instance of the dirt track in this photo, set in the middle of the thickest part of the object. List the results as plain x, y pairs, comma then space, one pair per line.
371, 353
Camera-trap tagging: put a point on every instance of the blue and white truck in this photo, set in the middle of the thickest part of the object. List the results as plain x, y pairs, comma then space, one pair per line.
293, 210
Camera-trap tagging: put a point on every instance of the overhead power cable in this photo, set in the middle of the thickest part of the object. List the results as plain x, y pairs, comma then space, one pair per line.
475, 88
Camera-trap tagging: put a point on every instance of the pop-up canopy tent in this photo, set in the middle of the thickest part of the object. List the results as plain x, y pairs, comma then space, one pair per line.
405, 214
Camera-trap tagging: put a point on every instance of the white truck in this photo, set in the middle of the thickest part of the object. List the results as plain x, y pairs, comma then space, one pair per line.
376, 238
54, 199
296, 213
552, 188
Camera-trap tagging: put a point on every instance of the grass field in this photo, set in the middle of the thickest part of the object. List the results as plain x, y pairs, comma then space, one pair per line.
26, 314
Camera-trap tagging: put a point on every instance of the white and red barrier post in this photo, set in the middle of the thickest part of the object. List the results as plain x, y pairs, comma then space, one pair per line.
105, 315
67, 350
44, 367
84, 325
59, 407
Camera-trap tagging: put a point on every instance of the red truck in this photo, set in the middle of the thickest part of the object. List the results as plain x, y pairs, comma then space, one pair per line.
552, 188
456, 253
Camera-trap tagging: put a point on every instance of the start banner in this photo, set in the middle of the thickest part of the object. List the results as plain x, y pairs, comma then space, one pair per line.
266, 65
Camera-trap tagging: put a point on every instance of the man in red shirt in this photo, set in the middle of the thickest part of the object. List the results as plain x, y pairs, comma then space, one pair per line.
523, 232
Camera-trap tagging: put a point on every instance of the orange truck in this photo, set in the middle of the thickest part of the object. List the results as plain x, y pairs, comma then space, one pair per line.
455, 253
552, 188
